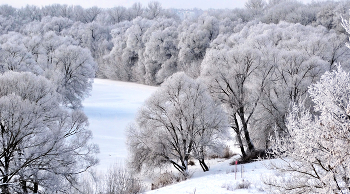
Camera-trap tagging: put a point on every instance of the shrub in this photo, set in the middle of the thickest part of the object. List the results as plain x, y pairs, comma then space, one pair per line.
167, 178
243, 184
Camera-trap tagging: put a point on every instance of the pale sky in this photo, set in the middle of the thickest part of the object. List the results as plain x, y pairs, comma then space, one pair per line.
201, 4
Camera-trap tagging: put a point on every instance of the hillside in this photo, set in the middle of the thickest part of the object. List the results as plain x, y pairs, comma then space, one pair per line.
221, 179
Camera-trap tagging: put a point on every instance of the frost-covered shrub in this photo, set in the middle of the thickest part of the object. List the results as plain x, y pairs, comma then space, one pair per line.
314, 156
167, 178
242, 184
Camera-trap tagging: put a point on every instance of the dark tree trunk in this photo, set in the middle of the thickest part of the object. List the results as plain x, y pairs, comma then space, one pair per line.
36, 188
5, 179
5, 186
203, 165
24, 187
240, 142
245, 130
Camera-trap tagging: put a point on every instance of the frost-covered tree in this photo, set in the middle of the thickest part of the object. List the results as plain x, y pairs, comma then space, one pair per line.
43, 145
236, 77
14, 54
74, 70
135, 11
115, 15
161, 52
301, 54
177, 122
114, 65
256, 7
194, 40
154, 10
56, 24
314, 155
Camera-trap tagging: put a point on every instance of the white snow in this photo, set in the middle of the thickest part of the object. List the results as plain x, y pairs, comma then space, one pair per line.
221, 179
111, 106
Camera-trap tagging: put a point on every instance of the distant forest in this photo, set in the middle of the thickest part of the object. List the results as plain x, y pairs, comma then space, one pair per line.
147, 44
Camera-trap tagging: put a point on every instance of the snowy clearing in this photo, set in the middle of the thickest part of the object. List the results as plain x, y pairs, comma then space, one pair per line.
111, 106
221, 179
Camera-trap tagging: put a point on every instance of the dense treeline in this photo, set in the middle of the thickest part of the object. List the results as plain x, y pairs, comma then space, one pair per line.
147, 44
253, 61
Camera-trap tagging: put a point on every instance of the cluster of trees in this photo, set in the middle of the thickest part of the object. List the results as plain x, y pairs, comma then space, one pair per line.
44, 134
44, 76
253, 70
314, 154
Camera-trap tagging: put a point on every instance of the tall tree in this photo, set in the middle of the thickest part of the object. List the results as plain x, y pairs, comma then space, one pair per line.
238, 84
42, 143
75, 70
179, 121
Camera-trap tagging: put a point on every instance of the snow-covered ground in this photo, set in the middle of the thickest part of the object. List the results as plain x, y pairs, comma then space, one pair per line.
221, 179
110, 108
113, 105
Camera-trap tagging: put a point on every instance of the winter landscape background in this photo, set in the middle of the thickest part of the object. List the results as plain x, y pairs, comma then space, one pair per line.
147, 98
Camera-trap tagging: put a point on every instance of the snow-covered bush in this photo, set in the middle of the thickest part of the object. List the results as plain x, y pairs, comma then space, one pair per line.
242, 184
167, 178
314, 156
120, 181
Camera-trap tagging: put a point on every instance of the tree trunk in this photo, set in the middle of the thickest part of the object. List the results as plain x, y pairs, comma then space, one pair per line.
24, 187
240, 142
245, 130
5, 186
5, 179
203, 165
36, 188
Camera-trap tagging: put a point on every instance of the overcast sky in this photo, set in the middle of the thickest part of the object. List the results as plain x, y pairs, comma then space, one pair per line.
201, 4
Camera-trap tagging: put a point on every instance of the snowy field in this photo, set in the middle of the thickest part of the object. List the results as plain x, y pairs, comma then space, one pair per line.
110, 108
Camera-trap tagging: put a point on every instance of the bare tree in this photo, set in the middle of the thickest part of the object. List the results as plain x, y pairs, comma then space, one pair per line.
238, 85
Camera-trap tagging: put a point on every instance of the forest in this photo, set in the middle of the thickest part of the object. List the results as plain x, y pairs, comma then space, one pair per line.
257, 71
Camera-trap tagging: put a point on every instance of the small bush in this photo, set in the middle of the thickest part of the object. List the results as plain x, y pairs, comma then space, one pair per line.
243, 184
214, 156
120, 180
228, 153
191, 163
252, 156
165, 179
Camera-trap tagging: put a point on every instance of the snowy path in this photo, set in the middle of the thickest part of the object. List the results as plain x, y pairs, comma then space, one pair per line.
110, 108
